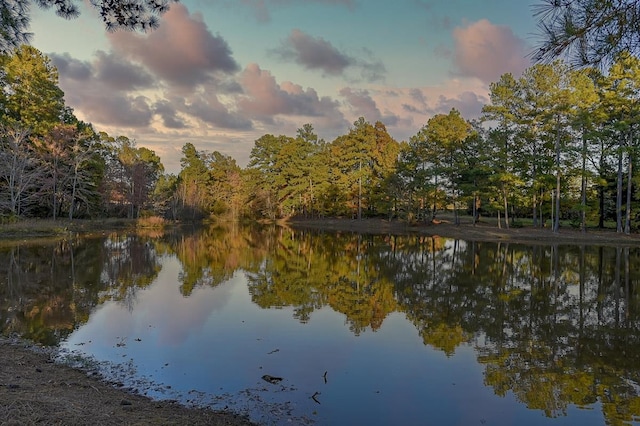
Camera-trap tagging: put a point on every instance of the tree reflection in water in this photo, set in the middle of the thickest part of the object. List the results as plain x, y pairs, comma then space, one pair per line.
556, 325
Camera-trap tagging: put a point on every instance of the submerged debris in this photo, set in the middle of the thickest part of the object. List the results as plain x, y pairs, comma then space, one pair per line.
271, 379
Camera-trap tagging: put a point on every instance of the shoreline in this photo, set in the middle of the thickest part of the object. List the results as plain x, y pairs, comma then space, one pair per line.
36, 389
466, 231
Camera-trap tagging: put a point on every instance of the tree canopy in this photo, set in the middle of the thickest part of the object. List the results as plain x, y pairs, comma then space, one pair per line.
587, 32
139, 15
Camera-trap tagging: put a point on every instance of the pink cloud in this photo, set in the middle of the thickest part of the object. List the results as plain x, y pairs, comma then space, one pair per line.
264, 98
363, 105
181, 51
486, 51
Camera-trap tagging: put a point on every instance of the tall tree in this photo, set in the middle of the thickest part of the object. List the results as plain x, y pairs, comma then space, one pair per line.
621, 99
503, 110
33, 98
384, 164
56, 147
225, 185
86, 172
352, 163
585, 117
315, 170
264, 174
447, 132
193, 182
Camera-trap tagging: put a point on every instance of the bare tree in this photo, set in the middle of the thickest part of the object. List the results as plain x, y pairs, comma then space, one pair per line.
20, 171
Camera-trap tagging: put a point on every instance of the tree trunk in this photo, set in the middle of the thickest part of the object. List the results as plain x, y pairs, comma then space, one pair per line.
601, 187
360, 190
583, 186
475, 208
627, 224
435, 199
506, 208
619, 193
556, 222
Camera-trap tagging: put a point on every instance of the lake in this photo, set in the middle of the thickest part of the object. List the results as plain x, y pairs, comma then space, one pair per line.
309, 327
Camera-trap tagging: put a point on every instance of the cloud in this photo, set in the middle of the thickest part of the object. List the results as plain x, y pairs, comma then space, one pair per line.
264, 98
207, 107
70, 67
182, 51
119, 74
104, 101
319, 54
363, 105
313, 53
127, 111
169, 115
486, 51
468, 103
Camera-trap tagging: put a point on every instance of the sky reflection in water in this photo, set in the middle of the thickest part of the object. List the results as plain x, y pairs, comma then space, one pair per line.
213, 347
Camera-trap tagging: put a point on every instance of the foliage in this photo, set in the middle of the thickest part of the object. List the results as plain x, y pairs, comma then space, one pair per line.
139, 15
30, 91
555, 143
588, 32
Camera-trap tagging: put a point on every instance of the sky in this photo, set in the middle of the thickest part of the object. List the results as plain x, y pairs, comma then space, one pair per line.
222, 73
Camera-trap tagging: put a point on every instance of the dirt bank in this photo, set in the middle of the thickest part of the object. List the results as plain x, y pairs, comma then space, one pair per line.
35, 390
467, 231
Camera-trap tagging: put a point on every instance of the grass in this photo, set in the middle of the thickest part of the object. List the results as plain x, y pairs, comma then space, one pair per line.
49, 228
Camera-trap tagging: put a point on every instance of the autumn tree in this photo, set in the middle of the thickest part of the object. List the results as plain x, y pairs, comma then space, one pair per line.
164, 197
142, 168
56, 149
130, 175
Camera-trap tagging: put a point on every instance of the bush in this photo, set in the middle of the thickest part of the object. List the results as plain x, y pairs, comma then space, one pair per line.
151, 222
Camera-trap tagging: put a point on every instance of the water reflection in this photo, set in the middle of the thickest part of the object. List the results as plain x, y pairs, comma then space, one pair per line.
554, 328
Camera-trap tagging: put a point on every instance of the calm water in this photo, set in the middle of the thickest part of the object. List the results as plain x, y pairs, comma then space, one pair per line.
374, 330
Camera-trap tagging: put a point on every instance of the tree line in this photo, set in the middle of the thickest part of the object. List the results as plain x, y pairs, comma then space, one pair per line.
554, 144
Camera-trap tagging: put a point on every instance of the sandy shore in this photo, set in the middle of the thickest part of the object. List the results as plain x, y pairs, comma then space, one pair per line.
35, 390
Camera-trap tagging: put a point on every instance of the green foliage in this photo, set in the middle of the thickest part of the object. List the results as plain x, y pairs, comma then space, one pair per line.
554, 137
589, 33
30, 89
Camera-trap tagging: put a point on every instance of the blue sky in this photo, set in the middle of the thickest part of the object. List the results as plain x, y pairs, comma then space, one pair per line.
221, 73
